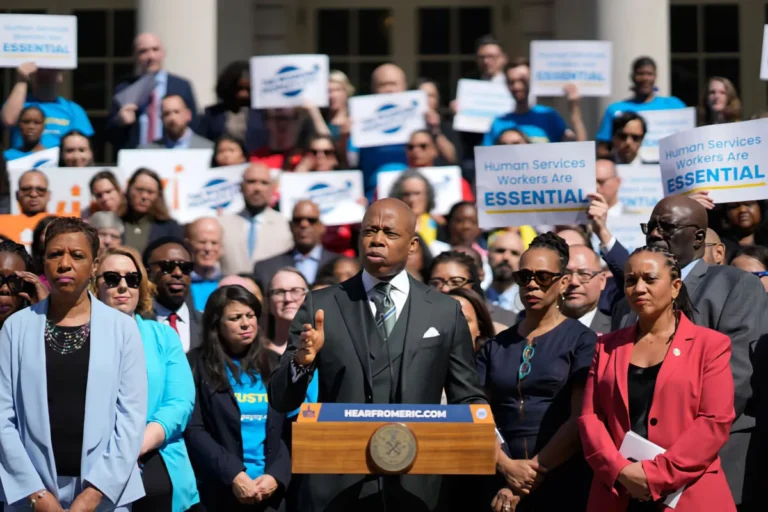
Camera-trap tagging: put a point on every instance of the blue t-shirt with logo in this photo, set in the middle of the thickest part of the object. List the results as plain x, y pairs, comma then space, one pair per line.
376, 159
540, 124
13, 154
61, 117
605, 133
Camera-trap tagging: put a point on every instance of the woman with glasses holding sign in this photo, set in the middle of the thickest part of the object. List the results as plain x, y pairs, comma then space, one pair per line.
534, 375
19, 286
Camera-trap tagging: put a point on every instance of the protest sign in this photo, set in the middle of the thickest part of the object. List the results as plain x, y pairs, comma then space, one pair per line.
626, 229
764, 57
20, 228
554, 64
47, 40
289, 81
534, 183
69, 188
728, 160
640, 188
479, 102
445, 180
663, 123
210, 193
382, 119
337, 193
45, 158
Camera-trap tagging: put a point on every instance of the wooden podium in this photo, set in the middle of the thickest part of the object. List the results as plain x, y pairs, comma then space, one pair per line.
394, 439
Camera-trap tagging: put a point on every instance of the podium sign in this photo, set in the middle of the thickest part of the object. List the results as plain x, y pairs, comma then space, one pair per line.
394, 439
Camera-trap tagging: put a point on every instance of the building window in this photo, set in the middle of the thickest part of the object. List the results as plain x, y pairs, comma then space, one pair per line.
704, 43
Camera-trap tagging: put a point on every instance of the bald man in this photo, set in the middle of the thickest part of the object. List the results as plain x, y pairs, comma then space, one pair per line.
205, 237
138, 121
714, 248
33, 193
380, 337
388, 78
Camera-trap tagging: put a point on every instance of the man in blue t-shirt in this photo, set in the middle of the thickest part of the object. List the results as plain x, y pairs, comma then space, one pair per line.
39, 87
545, 123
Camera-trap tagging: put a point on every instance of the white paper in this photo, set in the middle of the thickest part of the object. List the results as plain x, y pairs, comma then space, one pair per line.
764, 56
210, 193
289, 81
50, 41
663, 123
729, 160
637, 448
640, 188
445, 180
45, 158
137, 93
584, 63
626, 229
383, 119
479, 102
336, 193
534, 183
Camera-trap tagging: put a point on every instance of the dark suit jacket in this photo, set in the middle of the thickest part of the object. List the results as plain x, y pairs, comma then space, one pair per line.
264, 270
215, 445
601, 323
428, 366
195, 324
213, 124
161, 229
127, 136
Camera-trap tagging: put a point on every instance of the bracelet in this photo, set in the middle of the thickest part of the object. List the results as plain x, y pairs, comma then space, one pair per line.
299, 369
38, 496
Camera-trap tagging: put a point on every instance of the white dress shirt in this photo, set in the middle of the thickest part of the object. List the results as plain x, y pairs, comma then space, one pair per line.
401, 286
182, 324
586, 320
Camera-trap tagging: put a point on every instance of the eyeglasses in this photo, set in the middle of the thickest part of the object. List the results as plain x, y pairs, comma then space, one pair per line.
14, 282
325, 152
112, 279
543, 278
311, 220
525, 366
625, 136
665, 228
168, 266
760, 274
451, 282
584, 276
411, 147
294, 293
38, 190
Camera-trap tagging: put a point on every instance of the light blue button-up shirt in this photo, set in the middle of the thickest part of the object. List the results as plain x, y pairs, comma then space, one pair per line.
160, 90
687, 269
308, 264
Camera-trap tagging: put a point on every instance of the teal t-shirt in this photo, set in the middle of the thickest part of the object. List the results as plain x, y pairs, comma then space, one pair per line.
605, 133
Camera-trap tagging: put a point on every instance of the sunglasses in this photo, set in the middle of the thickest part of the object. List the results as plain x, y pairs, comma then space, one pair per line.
666, 229
168, 266
411, 147
625, 136
28, 190
14, 282
543, 278
311, 220
325, 152
525, 366
112, 279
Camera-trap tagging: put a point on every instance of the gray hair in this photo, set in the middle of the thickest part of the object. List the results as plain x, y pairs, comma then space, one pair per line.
397, 187
106, 220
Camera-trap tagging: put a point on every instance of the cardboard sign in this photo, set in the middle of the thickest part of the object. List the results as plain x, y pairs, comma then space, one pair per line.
534, 183
338, 194
728, 160
47, 40
45, 158
641, 188
383, 119
289, 81
554, 64
479, 103
663, 123
445, 180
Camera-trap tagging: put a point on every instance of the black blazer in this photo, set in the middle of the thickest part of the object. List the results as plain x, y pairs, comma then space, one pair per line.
265, 270
213, 124
215, 445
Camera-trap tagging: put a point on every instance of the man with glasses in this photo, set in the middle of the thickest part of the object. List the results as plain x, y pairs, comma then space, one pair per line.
608, 183
33, 193
169, 266
587, 282
307, 255
629, 130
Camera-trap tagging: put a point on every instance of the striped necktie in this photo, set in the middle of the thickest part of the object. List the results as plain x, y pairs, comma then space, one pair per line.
385, 309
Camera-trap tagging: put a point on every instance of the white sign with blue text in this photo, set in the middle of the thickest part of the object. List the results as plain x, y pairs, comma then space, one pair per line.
45, 158
210, 193
384, 119
663, 123
50, 41
338, 194
282, 81
478, 103
640, 188
587, 64
446, 181
534, 183
730, 161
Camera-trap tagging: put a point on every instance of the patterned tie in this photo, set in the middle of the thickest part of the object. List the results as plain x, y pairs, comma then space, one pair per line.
385, 309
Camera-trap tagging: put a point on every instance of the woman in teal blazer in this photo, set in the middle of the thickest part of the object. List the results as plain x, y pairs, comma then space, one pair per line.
121, 282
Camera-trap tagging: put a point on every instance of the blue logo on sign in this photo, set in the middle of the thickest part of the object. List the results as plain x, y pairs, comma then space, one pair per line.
216, 193
41, 163
290, 81
327, 196
390, 117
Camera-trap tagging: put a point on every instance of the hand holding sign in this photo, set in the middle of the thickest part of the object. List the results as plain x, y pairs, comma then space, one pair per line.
26, 70
311, 340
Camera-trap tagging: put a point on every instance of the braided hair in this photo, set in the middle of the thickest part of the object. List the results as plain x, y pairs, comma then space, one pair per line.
554, 243
683, 302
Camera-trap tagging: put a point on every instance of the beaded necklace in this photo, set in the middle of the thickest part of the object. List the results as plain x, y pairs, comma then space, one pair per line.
64, 341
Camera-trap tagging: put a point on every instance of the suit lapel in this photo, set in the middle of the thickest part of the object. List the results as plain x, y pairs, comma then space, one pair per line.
622, 355
418, 323
677, 354
97, 395
694, 278
353, 304
601, 323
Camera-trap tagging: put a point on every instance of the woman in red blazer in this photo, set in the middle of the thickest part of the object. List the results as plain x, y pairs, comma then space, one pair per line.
667, 380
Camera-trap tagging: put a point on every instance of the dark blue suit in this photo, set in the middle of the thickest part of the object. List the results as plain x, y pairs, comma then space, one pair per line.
127, 136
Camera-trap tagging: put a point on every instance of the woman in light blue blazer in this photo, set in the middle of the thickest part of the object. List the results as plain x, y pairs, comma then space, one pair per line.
169, 482
73, 390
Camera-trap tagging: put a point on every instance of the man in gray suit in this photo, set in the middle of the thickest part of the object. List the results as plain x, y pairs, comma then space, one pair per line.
587, 282
177, 134
726, 299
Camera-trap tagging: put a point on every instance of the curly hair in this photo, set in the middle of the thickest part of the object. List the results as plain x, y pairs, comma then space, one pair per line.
554, 243
683, 301
146, 287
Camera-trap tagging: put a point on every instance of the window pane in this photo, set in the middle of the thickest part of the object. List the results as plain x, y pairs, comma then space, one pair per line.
721, 28
440, 72
474, 23
468, 68
89, 86
373, 31
92, 36
434, 31
365, 70
341, 66
98, 141
125, 31
684, 24
685, 80
333, 32
122, 72
727, 68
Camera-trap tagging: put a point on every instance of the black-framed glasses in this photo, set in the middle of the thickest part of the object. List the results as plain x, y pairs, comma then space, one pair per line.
112, 279
665, 228
323, 152
625, 136
451, 282
543, 278
584, 276
28, 190
525, 365
294, 293
14, 282
168, 266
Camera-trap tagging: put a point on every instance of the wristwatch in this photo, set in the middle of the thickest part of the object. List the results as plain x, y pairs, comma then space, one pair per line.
300, 370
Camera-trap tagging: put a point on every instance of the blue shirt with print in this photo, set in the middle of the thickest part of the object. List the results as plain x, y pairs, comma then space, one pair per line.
61, 117
605, 132
540, 124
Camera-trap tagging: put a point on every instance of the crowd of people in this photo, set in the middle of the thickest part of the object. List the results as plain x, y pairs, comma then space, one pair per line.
148, 365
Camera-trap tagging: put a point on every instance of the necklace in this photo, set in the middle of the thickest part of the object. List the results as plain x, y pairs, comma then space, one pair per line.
64, 341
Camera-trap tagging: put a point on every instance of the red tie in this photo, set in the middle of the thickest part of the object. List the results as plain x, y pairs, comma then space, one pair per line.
152, 119
172, 319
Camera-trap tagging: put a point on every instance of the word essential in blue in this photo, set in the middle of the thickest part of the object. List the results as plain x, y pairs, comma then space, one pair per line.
716, 175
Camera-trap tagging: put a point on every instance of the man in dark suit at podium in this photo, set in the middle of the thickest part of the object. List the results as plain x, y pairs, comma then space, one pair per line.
390, 339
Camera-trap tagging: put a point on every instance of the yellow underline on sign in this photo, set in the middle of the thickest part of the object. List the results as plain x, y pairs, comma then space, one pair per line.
544, 210
34, 55
725, 187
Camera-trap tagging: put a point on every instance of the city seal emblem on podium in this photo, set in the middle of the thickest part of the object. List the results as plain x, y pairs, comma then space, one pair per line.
393, 448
